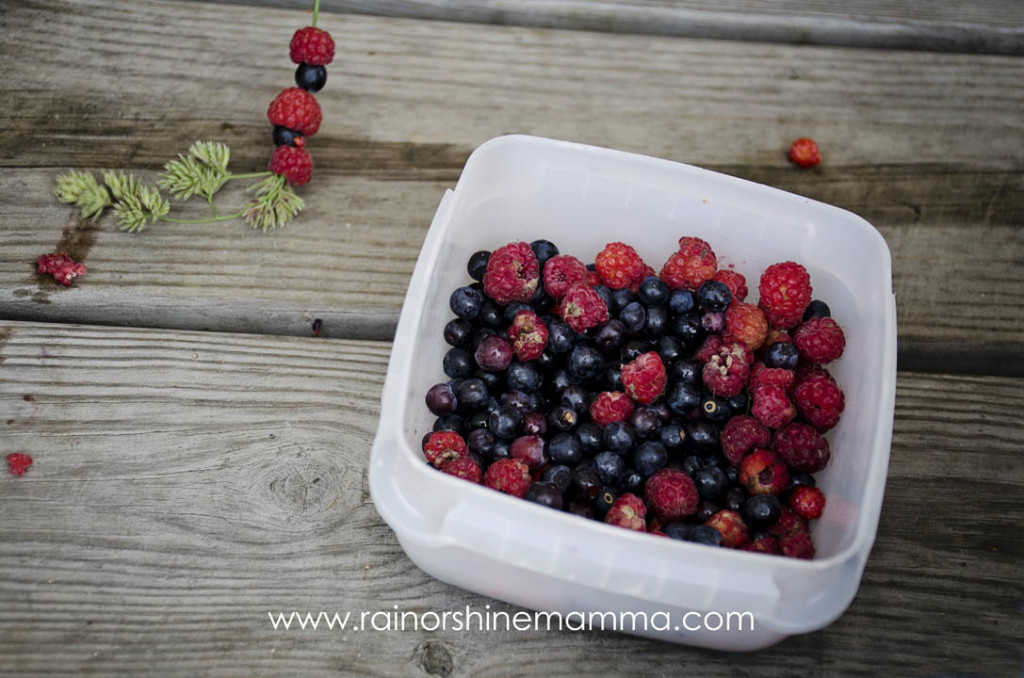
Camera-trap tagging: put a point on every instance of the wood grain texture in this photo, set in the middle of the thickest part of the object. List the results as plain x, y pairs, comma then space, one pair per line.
993, 26
924, 145
186, 484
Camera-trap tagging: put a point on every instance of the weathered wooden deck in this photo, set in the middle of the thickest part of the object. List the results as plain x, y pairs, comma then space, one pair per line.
196, 469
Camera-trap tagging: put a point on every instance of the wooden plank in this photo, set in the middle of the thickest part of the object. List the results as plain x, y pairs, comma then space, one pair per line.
407, 102
991, 26
187, 483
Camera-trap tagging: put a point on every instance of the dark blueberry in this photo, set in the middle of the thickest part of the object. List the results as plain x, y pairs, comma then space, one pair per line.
661, 409
738, 403
543, 250
472, 396
632, 481
706, 509
559, 475
604, 500
714, 408
735, 497
781, 354
587, 481
480, 334
458, 363
613, 377
716, 460
658, 321
481, 441
563, 418
558, 381
653, 291
669, 348
545, 494
575, 397
634, 316
586, 362
565, 448
704, 434
581, 508
465, 302
458, 331
512, 309
705, 534
592, 267
523, 377
610, 336
633, 349
311, 78
686, 371
546, 362
678, 530
478, 420
605, 294
645, 421
710, 482
761, 510
619, 437
542, 301
501, 449
451, 422
441, 400
504, 422
477, 265
671, 435
732, 474
817, 309
801, 478
650, 457
714, 296
713, 322
492, 315
591, 436
620, 300
682, 301
492, 380
682, 398
519, 401
609, 467
561, 337
536, 401
494, 354
284, 136
692, 463
688, 329
535, 423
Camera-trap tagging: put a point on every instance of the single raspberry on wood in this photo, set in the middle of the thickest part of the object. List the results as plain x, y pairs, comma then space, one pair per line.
804, 152
807, 502
294, 164
785, 292
819, 400
618, 264
562, 272
296, 109
61, 266
611, 406
736, 283
629, 512
443, 446
820, 340
512, 274
671, 494
582, 308
18, 463
771, 406
746, 322
529, 335
732, 528
688, 268
510, 476
465, 468
312, 46
802, 447
644, 377
741, 435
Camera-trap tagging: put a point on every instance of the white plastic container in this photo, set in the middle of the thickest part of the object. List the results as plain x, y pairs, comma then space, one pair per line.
581, 197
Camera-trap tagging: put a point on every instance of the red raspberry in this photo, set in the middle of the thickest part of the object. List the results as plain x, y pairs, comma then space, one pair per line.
771, 406
820, 340
732, 528
611, 406
529, 335
819, 400
562, 272
804, 152
628, 511
618, 265
736, 283
583, 308
764, 543
61, 266
708, 348
18, 463
740, 435
644, 377
805, 371
694, 263
510, 476
762, 473
746, 323
788, 522
807, 502
797, 545
776, 335
671, 494
463, 467
295, 164
312, 46
512, 274
726, 371
296, 109
770, 376
646, 272
443, 446
803, 448
593, 279
785, 292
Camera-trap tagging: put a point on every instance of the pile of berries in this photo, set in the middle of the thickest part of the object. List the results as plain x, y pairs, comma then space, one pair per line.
658, 402
295, 112
61, 266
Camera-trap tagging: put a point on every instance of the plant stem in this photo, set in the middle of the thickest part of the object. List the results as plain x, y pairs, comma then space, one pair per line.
316, 11
252, 175
209, 199
224, 217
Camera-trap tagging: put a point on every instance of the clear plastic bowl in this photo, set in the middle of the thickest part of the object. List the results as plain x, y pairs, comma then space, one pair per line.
582, 197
